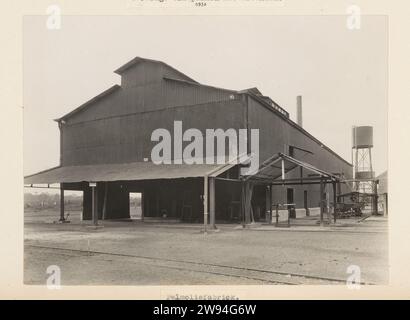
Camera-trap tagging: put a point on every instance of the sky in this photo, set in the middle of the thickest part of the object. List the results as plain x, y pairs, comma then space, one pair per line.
342, 74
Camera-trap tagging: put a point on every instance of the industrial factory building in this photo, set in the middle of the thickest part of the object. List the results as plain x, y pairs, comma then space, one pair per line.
106, 145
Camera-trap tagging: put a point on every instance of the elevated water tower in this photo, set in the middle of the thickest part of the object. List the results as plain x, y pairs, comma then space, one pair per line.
362, 145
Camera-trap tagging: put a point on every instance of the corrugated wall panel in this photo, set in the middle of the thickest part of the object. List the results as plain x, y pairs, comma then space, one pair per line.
128, 138
274, 133
153, 96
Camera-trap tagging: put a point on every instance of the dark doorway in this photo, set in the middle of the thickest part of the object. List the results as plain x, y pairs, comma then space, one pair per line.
290, 201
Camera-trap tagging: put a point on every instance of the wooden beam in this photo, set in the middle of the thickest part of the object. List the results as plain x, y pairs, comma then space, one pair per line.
268, 215
270, 204
329, 214
142, 205
227, 179
305, 180
248, 204
104, 210
205, 202
375, 198
62, 218
321, 202
212, 202
298, 183
94, 204
283, 169
334, 201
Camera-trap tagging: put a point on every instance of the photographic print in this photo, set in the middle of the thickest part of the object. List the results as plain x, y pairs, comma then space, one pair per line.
205, 150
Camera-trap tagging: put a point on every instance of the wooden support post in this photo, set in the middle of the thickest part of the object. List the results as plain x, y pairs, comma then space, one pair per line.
334, 201
321, 201
329, 213
284, 189
289, 216
270, 204
212, 202
94, 203
247, 203
142, 205
375, 198
104, 210
267, 202
205, 203
242, 204
283, 169
386, 204
277, 214
62, 218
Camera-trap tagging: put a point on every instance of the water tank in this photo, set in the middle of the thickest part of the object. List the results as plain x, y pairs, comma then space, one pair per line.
364, 175
362, 137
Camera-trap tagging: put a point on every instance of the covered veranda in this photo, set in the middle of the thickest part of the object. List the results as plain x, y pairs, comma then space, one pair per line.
178, 188
105, 186
279, 171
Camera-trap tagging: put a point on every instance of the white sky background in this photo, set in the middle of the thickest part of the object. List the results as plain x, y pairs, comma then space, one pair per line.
341, 73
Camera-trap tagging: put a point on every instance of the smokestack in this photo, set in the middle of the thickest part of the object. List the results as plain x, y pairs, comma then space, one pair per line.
299, 120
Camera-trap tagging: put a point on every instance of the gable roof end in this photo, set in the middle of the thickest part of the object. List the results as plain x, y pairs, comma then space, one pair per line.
136, 60
84, 105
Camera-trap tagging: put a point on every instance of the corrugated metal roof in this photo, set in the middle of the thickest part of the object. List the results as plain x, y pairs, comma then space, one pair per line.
119, 172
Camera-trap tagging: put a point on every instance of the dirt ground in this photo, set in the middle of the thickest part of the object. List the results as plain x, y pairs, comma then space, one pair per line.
136, 253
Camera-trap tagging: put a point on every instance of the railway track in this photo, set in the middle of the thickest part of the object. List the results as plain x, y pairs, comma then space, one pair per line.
261, 275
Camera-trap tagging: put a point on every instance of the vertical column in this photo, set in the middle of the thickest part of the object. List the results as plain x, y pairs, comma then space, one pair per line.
243, 203
205, 202
270, 204
104, 210
268, 197
247, 202
62, 218
284, 189
375, 197
334, 200
321, 201
283, 169
94, 202
329, 214
142, 205
386, 203
212, 202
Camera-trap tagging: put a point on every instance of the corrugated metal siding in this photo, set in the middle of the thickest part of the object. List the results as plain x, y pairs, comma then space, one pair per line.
141, 74
274, 133
128, 138
154, 96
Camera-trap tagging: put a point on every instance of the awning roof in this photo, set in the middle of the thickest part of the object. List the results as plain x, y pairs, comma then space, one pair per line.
119, 172
271, 169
